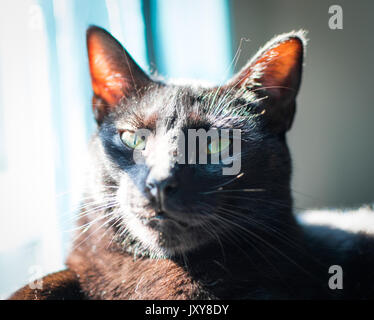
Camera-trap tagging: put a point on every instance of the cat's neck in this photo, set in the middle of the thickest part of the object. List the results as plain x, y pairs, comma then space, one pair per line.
114, 268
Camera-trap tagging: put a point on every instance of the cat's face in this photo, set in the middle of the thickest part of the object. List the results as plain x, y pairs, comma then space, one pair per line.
171, 205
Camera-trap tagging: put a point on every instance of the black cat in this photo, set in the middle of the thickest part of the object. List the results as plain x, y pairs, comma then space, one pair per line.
159, 228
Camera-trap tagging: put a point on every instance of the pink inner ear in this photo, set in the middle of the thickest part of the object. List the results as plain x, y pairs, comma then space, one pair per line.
277, 68
280, 66
107, 82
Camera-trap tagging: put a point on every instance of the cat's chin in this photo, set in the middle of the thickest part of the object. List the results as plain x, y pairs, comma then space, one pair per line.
163, 236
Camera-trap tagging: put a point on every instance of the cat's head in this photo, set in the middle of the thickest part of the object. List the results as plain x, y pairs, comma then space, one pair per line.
169, 205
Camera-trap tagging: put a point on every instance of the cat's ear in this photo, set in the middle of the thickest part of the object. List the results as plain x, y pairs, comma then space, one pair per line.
114, 74
274, 74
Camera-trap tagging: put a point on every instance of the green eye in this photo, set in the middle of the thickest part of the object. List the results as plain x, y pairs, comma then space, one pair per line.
218, 145
132, 140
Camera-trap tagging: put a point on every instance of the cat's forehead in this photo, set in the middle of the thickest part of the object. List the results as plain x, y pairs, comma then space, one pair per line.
168, 106
179, 107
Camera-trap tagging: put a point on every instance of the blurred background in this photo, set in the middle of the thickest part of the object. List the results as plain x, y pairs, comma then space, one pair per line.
45, 93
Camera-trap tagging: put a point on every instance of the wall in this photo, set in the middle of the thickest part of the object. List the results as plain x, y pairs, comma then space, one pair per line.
332, 136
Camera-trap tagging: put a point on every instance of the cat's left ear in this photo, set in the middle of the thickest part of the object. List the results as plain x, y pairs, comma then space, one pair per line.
114, 74
274, 74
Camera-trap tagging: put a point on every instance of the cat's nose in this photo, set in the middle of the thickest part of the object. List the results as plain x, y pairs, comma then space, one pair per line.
159, 190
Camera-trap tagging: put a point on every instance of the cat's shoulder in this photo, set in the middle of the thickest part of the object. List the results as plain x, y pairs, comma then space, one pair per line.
345, 236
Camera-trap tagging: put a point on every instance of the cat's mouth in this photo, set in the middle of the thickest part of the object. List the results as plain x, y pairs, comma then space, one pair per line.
162, 220
166, 232
163, 229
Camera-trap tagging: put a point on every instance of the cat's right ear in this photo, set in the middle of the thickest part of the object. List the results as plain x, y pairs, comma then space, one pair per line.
114, 74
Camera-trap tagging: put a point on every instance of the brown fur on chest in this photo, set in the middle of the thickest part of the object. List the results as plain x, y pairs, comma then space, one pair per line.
106, 274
